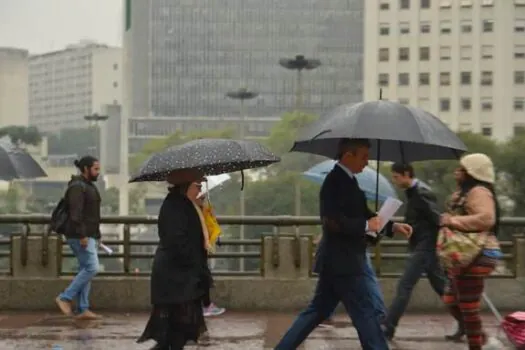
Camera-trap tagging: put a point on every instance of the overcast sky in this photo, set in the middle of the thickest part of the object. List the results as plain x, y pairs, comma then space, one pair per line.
47, 25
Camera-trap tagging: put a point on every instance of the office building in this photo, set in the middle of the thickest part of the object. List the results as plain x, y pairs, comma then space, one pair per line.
14, 65
463, 60
66, 85
184, 56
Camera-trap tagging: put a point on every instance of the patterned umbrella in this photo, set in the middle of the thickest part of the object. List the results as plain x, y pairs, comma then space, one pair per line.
210, 156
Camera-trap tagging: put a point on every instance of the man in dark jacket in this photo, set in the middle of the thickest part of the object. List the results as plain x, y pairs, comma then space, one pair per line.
82, 233
423, 215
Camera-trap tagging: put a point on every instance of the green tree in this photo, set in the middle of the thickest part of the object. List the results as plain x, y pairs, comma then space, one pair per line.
22, 135
512, 174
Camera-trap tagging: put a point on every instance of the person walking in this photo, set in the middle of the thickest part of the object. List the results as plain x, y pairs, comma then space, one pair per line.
180, 276
474, 211
422, 214
83, 233
342, 259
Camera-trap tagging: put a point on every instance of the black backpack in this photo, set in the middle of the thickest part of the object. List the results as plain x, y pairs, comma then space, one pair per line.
60, 215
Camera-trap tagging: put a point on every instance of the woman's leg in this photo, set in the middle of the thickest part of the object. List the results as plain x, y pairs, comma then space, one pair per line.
450, 298
206, 301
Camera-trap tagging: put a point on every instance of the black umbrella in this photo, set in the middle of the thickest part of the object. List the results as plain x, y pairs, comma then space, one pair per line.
211, 156
397, 132
16, 163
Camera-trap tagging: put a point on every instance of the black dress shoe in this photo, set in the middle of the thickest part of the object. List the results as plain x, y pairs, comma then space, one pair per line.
457, 337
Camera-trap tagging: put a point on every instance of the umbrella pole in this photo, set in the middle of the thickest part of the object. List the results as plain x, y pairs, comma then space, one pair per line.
377, 249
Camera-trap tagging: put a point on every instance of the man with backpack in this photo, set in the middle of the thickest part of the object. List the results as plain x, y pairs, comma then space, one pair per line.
77, 217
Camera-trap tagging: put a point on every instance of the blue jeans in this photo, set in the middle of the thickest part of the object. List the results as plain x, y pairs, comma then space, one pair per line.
87, 269
359, 297
375, 291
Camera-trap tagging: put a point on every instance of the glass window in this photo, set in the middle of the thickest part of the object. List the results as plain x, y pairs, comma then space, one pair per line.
519, 77
488, 25
486, 104
403, 79
444, 78
466, 78
486, 78
519, 104
444, 104
466, 104
404, 4
486, 131
519, 51
445, 27
384, 29
424, 53
465, 52
384, 54
444, 53
466, 26
424, 27
424, 78
519, 25
487, 52
425, 4
404, 54
383, 79
404, 27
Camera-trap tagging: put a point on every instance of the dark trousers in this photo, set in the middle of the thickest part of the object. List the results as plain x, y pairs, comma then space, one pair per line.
419, 262
206, 300
356, 295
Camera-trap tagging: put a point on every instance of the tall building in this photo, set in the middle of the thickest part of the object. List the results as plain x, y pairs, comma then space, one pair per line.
184, 56
463, 60
14, 67
66, 85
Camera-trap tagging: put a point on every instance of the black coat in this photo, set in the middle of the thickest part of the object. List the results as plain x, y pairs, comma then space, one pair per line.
180, 271
83, 203
344, 213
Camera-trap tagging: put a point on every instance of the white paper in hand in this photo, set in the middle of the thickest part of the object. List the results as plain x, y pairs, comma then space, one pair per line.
386, 213
106, 248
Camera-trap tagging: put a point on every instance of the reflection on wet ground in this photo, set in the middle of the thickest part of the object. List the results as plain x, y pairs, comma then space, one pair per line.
232, 331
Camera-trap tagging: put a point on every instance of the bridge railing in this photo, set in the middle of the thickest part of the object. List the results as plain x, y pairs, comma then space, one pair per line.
128, 250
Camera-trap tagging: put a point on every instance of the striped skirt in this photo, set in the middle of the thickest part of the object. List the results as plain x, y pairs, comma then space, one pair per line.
463, 295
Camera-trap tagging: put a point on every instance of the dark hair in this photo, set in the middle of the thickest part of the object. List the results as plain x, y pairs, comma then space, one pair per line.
403, 168
469, 183
85, 162
350, 145
180, 188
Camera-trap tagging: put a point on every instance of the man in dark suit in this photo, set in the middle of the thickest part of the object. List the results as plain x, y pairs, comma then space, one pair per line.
422, 213
342, 261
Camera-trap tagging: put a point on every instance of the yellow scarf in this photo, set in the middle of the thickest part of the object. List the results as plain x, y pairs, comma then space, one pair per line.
205, 233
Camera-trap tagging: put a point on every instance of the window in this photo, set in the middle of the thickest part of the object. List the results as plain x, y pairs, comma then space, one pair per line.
444, 104
384, 55
519, 25
486, 78
486, 104
384, 5
466, 78
404, 28
487, 52
424, 53
488, 25
444, 53
404, 101
425, 4
487, 3
384, 29
519, 77
383, 79
424, 79
466, 3
519, 104
445, 27
404, 4
404, 54
466, 104
519, 51
444, 79
519, 3
519, 130
466, 26
403, 79
445, 3
486, 131
465, 52
115, 84
424, 27
115, 66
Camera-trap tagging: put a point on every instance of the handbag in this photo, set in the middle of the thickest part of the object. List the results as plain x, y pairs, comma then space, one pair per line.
214, 229
457, 249
514, 327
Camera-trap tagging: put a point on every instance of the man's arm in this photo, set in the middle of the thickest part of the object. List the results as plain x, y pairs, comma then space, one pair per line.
331, 214
428, 206
75, 203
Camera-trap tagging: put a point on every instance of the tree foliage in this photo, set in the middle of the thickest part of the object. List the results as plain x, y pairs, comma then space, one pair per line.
22, 135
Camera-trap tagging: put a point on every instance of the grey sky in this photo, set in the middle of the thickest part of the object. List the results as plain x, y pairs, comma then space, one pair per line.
46, 25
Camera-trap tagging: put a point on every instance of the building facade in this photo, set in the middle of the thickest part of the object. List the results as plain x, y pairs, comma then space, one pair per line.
66, 85
14, 95
185, 56
463, 60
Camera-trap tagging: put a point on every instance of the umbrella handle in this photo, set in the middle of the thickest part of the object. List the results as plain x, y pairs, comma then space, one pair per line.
242, 180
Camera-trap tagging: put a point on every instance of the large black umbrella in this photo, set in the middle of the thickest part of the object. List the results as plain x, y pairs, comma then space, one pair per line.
211, 156
16, 163
397, 132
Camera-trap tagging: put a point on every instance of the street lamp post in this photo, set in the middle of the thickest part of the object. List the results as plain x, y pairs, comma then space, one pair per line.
242, 94
299, 63
95, 120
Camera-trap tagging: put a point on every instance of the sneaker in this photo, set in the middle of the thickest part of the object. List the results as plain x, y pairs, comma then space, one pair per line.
328, 323
213, 310
64, 306
88, 316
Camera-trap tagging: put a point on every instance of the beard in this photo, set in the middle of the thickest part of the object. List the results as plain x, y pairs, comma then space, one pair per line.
93, 178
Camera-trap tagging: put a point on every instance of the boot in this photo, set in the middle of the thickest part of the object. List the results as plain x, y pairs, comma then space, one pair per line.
458, 335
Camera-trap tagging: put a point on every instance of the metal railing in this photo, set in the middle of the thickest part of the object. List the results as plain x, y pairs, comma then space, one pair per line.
387, 251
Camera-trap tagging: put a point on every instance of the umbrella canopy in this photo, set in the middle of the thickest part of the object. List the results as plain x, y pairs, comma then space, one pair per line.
17, 163
212, 182
397, 132
367, 180
210, 156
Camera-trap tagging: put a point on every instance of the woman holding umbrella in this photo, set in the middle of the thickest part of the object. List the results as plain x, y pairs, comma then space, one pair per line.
180, 276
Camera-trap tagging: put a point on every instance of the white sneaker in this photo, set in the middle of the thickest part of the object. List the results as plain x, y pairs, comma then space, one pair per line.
494, 343
213, 310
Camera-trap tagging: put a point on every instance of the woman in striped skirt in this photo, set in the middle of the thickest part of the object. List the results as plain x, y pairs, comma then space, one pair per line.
472, 209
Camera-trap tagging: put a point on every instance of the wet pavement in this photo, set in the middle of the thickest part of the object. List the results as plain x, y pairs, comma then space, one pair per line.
231, 331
